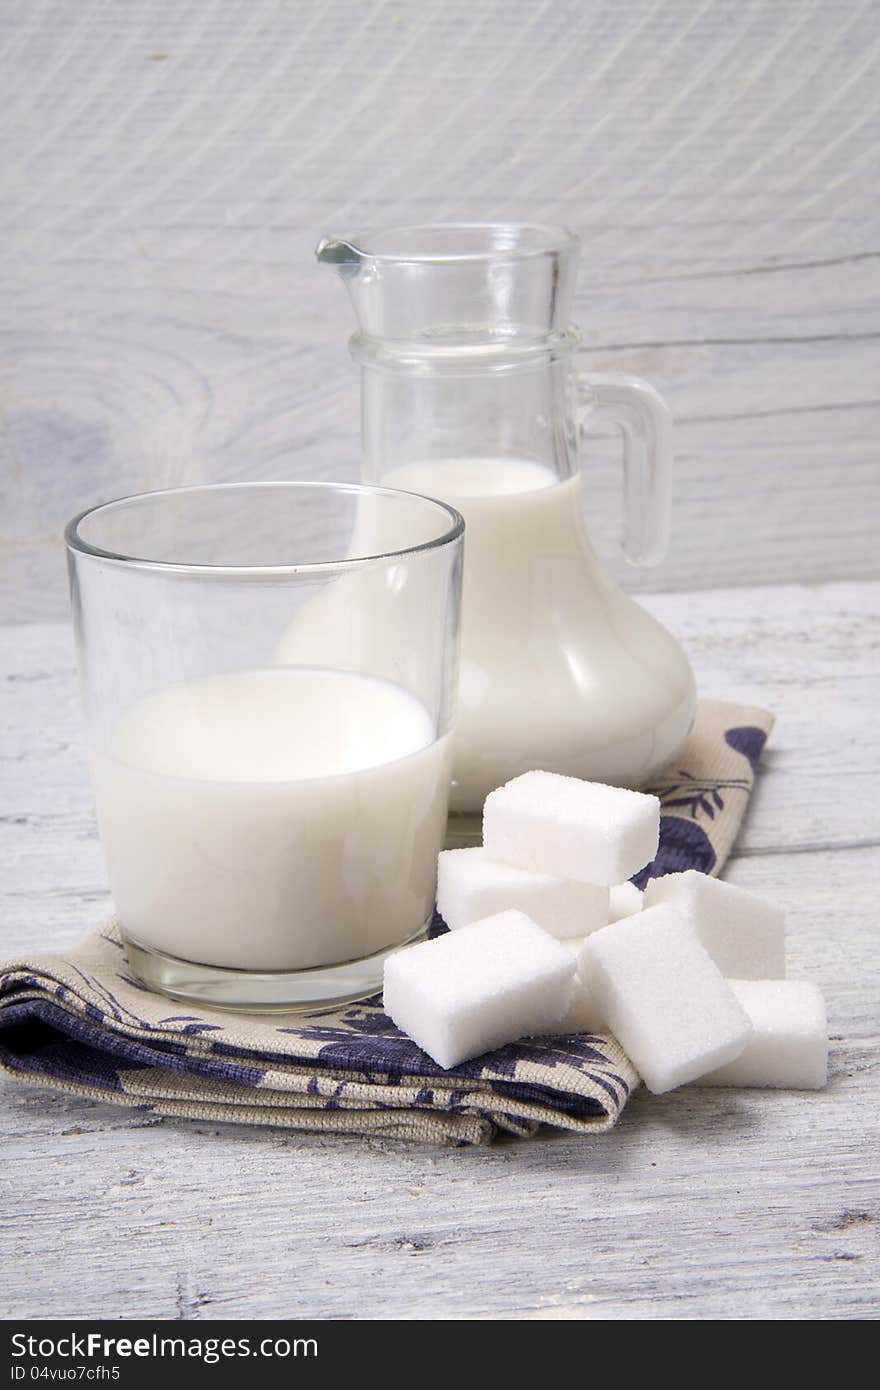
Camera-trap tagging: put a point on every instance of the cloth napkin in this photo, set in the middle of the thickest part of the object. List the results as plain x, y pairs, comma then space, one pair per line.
80, 1022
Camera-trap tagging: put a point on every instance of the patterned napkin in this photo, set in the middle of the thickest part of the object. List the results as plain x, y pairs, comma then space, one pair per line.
80, 1023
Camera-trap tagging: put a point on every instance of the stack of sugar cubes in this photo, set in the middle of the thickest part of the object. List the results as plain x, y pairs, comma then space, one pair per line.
547, 936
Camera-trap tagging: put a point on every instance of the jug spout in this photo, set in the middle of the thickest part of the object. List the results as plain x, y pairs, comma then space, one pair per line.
454, 284
343, 255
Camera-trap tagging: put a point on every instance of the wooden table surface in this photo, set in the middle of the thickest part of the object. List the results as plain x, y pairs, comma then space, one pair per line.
700, 1204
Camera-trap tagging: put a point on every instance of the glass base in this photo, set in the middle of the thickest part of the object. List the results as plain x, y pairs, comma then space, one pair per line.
317, 990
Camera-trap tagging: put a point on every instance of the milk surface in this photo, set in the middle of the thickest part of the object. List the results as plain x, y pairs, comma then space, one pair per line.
560, 670
273, 819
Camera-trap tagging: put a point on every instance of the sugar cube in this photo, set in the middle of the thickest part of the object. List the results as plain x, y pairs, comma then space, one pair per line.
624, 900
470, 886
571, 829
744, 935
789, 1046
583, 1014
664, 997
479, 987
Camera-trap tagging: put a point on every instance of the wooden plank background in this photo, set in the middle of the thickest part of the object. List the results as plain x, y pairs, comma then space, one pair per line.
167, 166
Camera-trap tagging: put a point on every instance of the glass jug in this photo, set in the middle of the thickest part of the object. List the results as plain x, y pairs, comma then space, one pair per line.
471, 394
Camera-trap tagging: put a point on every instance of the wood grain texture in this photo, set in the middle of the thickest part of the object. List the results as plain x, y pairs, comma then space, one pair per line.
701, 1204
168, 168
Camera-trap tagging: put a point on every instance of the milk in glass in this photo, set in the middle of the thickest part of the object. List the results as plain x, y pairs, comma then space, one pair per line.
273, 819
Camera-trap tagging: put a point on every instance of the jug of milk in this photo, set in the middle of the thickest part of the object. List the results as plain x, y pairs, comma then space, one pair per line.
471, 394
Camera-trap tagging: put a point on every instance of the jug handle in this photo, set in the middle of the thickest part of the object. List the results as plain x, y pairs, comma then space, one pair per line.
645, 422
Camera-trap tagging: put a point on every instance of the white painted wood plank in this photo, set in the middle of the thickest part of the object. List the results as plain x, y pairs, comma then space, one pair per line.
700, 1204
763, 492
170, 168
810, 656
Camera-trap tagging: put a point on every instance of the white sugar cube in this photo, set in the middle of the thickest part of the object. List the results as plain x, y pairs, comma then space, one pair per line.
470, 886
479, 987
789, 1046
583, 1014
624, 900
664, 997
744, 935
571, 829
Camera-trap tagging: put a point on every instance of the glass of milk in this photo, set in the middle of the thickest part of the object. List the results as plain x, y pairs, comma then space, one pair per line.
269, 675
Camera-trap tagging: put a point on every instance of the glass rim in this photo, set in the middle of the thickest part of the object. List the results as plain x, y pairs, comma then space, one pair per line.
76, 543
552, 238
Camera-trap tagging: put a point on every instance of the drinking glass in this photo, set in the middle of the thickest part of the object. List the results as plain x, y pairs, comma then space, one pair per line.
269, 675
